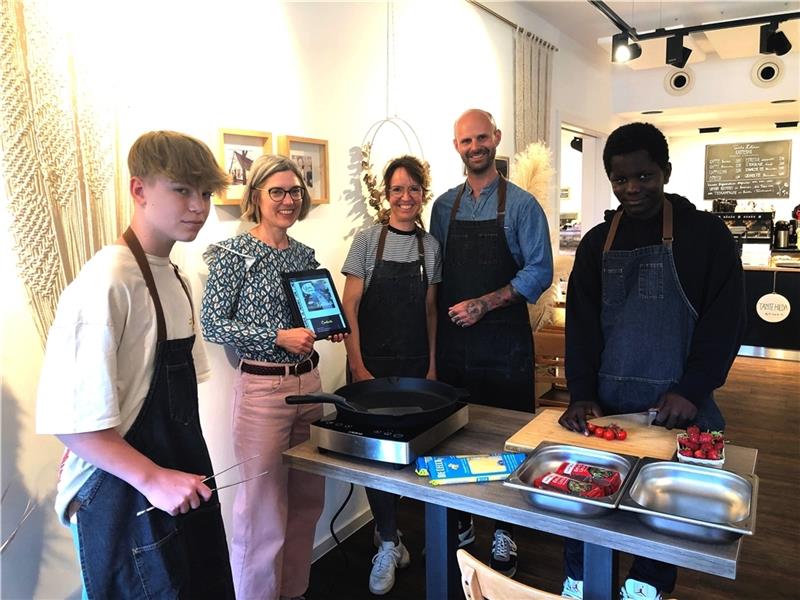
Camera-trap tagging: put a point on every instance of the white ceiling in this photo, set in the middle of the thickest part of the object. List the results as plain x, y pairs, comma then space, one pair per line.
591, 29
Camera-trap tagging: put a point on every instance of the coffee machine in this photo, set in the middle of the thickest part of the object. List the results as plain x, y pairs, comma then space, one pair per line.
793, 234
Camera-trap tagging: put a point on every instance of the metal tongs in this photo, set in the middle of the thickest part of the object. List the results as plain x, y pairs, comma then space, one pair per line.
219, 487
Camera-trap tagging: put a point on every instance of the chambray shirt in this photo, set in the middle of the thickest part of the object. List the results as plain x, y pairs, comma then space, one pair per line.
525, 225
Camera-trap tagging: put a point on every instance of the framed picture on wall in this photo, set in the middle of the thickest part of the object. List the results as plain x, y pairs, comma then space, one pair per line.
311, 156
238, 148
501, 163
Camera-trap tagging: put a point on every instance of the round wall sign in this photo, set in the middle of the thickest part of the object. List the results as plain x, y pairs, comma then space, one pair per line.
773, 308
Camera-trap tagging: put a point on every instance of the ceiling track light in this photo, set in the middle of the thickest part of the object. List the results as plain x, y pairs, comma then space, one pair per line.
772, 41
622, 51
677, 53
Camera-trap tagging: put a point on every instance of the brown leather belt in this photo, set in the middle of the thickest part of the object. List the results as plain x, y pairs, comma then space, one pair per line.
299, 369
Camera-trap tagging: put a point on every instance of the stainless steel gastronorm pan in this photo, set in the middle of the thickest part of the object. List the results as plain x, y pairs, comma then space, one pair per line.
546, 458
693, 502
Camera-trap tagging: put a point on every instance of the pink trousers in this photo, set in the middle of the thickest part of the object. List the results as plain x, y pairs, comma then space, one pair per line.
274, 516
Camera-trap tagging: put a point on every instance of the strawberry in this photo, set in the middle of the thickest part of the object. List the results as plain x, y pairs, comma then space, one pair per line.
686, 452
699, 454
692, 445
706, 447
706, 438
719, 446
712, 455
694, 436
693, 429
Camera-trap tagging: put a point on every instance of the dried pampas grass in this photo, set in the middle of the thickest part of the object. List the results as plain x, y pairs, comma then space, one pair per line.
533, 171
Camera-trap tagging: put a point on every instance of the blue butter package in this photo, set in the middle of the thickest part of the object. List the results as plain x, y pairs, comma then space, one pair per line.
468, 468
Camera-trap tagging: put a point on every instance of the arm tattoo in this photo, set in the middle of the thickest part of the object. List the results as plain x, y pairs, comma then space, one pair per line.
505, 296
477, 308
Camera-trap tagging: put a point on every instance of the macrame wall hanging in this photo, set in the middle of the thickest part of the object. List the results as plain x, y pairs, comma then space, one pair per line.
372, 190
57, 156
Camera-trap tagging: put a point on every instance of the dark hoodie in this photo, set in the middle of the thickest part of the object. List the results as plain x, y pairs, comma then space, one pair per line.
710, 272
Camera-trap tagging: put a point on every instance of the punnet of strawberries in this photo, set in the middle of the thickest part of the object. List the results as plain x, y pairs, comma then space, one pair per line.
705, 445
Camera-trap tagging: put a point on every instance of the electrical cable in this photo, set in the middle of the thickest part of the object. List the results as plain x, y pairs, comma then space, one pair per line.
333, 533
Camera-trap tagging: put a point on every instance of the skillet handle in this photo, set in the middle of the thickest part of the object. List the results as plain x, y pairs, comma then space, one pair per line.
317, 399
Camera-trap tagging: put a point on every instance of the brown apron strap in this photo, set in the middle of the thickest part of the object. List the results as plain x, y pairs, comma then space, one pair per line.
138, 253
666, 224
457, 203
381, 243
501, 201
612, 232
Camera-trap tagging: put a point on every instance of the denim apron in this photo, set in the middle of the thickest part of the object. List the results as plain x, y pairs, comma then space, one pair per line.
392, 322
647, 324
393, 334
493, 359
155, 555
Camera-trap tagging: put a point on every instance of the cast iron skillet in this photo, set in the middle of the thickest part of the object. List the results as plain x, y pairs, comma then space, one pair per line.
389, 401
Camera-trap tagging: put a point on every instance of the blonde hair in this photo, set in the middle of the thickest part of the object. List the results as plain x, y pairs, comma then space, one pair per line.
262, 169
177, 157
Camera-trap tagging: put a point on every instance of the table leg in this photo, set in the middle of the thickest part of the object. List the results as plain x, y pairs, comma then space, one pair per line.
442, 577
600, 572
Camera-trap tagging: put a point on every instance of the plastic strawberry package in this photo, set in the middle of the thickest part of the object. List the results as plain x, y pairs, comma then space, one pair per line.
705, 448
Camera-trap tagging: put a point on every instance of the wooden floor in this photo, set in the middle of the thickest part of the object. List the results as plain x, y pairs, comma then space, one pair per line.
761, 403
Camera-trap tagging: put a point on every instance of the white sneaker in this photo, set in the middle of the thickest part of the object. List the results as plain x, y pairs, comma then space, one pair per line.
638, 590
572, 589
376, 537
390, 556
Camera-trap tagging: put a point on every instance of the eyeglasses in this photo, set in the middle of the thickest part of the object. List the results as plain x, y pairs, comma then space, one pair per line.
277, 194
398, 190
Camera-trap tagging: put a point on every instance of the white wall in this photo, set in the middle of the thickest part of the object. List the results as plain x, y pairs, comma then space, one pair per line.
315, 69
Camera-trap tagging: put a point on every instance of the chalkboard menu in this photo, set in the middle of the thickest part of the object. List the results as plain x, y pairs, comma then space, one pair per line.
748, 170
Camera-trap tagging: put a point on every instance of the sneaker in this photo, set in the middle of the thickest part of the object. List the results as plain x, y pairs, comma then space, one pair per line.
637, 590
390, 556
376, 537
466, 533
504, 553
572, 589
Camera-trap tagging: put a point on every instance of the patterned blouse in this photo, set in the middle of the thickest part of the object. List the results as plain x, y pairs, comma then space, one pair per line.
244, 304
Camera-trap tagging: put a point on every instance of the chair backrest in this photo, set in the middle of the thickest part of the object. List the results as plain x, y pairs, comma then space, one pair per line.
549, 347
479, 581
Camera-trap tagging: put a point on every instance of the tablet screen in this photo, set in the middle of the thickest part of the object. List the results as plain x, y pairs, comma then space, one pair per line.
315, 303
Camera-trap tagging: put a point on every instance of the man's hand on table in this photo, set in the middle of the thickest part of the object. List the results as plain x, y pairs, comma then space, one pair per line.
574, 418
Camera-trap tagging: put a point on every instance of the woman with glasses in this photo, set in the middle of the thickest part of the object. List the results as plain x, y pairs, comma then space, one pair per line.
389, 299
245, 307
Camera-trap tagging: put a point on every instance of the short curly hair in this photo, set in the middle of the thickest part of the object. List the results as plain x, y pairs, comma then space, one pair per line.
637, 136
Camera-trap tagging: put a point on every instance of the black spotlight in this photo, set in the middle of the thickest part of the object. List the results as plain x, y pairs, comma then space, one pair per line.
772, 41
577, 144
677, 54
621, 51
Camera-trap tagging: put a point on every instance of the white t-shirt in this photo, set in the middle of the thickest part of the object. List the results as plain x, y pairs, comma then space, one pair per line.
100, 352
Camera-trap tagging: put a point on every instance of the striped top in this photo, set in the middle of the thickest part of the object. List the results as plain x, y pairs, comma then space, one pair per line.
401, 246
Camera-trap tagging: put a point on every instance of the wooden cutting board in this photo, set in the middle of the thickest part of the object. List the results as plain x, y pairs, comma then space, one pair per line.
655, 442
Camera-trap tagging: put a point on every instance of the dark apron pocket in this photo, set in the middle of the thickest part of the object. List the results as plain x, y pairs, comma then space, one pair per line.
161, 566
613, 286
182, 384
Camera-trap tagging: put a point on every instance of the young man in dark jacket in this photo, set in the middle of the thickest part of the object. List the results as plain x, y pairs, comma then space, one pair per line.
655, 315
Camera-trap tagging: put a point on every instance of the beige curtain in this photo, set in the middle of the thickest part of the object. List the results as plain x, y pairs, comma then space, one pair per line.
58, 155
533, 70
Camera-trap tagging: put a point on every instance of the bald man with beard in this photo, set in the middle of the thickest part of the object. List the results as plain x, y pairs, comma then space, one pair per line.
497, 256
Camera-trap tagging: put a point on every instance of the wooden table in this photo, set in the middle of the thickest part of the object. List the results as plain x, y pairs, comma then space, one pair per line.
487, 431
